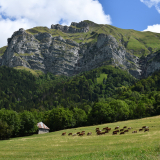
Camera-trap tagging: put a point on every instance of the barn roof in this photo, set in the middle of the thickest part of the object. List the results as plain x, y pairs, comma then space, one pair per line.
42, 125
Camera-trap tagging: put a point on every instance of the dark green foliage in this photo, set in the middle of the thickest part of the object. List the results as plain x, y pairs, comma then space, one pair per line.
80, 117
143, 97
13, 124
18, 124
5, 130
83, 89
28, 123
59, 118
20, 90
15, 88
12, 120
101, 113
120, 108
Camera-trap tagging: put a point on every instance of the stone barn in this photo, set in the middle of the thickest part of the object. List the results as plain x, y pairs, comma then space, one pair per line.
42, 128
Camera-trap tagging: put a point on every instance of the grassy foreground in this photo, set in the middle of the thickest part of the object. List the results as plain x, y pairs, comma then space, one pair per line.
141, 145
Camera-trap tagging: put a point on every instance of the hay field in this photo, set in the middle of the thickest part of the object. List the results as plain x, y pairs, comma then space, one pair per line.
141, 145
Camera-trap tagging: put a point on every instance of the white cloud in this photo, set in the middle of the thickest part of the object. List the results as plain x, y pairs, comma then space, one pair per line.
7, 27
151, 3
31, 13
154, 28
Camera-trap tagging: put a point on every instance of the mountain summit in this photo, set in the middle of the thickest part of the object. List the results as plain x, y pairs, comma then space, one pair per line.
69, 50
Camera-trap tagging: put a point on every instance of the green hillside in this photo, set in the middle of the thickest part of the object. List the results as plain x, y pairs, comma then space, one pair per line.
105, 94
20, 89
141, 145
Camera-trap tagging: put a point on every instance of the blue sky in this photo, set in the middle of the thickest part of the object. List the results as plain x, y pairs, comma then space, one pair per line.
130, 14
141, 15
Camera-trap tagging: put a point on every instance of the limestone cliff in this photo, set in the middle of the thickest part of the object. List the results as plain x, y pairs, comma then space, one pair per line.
70, 50
150, 64
74, 28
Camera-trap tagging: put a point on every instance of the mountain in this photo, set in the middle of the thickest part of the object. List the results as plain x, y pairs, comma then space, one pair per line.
81, 47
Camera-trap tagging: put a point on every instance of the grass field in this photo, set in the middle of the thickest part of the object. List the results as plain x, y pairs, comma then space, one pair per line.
102, 76
137, 146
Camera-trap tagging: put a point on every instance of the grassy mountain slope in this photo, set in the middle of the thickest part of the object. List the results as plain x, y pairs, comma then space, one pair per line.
141, 145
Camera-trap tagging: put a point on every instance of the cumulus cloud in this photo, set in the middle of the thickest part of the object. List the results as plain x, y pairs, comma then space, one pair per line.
7, 27
154, 28
156, 4
30, 13
151, 3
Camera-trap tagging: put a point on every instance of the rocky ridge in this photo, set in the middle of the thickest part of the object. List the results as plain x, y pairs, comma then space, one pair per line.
73, 28
58, 55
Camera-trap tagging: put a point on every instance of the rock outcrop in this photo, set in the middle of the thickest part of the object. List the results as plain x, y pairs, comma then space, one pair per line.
149, 64
64, 56
23, 50
74, 28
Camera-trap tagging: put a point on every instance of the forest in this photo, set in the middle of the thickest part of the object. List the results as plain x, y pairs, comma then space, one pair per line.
105, 94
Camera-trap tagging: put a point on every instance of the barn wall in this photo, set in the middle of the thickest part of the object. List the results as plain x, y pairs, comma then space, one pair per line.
42, 131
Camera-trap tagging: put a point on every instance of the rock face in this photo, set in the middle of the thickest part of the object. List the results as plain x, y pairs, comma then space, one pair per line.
74, 28
150, 64
59, 55
64, 56
23, 50
107, 51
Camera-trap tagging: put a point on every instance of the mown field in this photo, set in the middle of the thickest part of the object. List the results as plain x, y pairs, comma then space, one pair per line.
141, 145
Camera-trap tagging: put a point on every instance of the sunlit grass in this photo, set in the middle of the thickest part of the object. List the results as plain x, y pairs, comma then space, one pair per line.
34, 72
143, 145
100, 79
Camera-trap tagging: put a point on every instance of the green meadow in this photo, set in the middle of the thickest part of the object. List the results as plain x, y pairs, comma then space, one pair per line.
100, 79
130, 146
